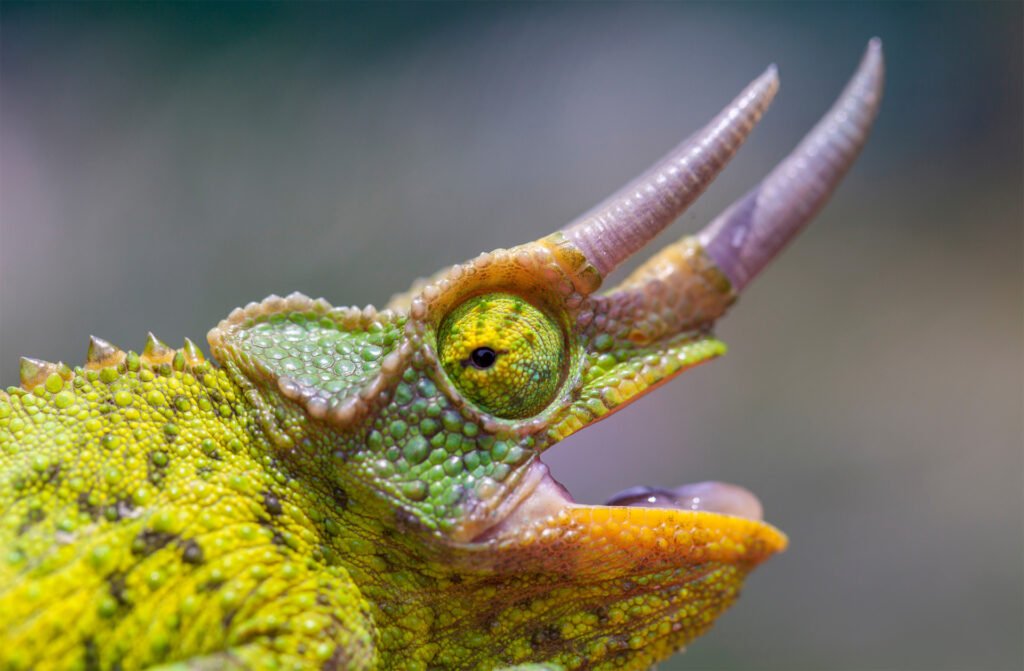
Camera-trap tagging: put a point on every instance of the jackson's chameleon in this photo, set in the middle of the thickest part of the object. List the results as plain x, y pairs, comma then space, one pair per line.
346, 488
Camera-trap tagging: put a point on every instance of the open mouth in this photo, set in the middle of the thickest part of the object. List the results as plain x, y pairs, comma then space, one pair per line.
544, 500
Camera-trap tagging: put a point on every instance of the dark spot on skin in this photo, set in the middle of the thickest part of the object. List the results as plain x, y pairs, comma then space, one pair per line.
277, 539
340, 497
490, 622
333, 627
212, 585
51, 474
191, 552
337, 661
618, 645
601, 612
385, 559
272, 504
330, 557
456, 579
116, 587
34, 517
90, 655
546, 636
621, 657
225, 621
216, 397
522, 604
407, 521
204, 471
322, 599
273, 632
84, 506
148, 542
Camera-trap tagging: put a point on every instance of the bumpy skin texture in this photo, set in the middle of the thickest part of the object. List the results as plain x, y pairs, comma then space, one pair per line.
325, 498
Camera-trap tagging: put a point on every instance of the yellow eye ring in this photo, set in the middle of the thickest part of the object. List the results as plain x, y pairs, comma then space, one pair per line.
503, 354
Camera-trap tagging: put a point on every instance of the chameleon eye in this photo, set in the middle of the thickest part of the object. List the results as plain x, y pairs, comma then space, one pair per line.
503, 354
483, 357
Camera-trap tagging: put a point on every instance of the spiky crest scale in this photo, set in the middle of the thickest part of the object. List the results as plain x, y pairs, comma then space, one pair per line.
156, 351
34, 372
101, 354
193, 354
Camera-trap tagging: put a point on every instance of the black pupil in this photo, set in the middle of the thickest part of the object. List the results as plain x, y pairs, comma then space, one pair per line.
483, 357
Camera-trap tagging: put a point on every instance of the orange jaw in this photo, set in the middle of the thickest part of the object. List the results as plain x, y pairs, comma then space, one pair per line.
634, 536
547, 522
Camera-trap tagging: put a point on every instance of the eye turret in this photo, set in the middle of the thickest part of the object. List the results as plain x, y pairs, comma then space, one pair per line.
503, 354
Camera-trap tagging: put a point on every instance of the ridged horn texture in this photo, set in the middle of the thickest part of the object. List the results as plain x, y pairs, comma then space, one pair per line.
611, 232
744, 238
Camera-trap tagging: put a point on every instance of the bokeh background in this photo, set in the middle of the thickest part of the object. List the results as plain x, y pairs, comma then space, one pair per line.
162, 164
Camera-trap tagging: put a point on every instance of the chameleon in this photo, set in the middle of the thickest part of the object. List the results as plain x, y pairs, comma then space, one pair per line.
353, 488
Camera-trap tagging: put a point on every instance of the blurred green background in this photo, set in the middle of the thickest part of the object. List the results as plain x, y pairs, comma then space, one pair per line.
162, 164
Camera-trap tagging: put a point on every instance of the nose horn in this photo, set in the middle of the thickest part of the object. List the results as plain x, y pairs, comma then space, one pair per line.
746, 236
625, 222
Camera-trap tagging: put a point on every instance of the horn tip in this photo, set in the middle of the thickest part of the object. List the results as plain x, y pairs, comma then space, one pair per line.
870, 75
873, 61
769, 79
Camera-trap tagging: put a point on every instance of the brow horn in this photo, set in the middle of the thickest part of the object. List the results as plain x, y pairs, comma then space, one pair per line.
689, 284
743, 239
625, 222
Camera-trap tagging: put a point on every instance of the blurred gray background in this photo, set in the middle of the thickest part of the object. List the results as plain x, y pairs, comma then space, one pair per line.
162, 164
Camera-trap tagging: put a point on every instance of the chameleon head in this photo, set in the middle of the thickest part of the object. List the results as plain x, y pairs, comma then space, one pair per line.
440, 405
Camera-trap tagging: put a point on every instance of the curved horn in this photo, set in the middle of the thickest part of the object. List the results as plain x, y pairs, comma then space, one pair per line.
625, 222
743, 239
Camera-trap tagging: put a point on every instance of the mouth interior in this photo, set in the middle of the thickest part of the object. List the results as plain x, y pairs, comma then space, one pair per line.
548, 496
710, 496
